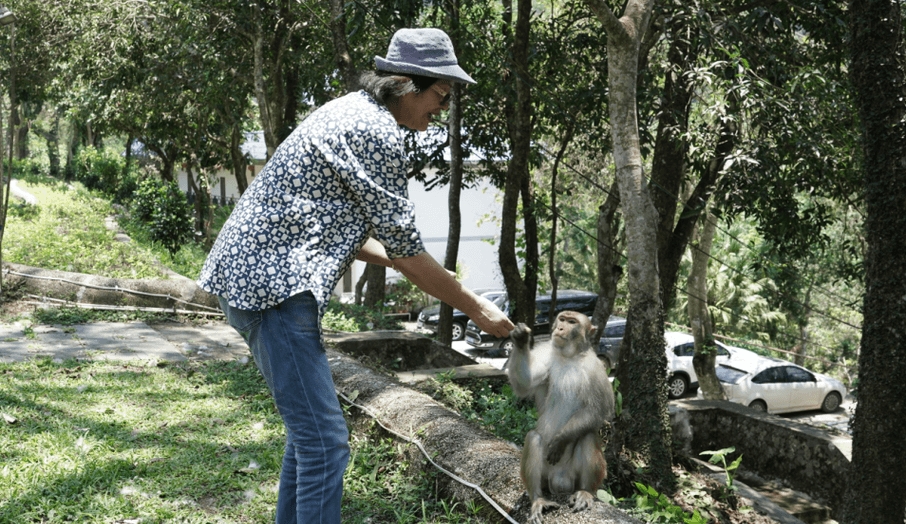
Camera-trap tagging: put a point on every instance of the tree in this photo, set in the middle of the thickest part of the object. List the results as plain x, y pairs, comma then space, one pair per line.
879, 77
645, 395
518, 184
705, 355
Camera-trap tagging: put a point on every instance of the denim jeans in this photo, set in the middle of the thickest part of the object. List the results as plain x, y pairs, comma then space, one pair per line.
286, 343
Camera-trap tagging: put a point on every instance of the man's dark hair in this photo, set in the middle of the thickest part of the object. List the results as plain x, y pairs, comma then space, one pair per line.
386, 87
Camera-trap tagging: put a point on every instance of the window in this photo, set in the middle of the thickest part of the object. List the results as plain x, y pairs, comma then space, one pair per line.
615, 331
798, 375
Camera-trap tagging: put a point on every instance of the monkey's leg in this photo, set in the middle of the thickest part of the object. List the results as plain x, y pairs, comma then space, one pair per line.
534, 469
591, 470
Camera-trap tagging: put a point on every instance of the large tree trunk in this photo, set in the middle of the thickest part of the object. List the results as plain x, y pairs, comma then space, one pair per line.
375, 287
874, 495
521, 291
644, 424
705, 356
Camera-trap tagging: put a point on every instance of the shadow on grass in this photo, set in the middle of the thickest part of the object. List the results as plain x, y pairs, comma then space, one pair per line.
96, 442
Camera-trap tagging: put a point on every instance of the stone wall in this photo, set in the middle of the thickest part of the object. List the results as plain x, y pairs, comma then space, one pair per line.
808, 459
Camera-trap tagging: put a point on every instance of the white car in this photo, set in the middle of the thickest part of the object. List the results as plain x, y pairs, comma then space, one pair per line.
681, 377
777, 386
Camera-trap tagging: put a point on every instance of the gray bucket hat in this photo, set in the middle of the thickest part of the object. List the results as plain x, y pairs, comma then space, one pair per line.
424, 51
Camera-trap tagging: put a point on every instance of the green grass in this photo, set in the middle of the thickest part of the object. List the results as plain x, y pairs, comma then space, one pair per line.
66, 232
96, 442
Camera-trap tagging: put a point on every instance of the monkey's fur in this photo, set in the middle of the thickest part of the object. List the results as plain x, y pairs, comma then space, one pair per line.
574, 398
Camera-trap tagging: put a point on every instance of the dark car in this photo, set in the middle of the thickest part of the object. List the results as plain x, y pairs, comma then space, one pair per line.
430, 316
567, 299
609, 346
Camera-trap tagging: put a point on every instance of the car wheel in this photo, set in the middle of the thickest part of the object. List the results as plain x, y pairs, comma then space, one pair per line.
831, 402
677, 386
759, 405
459, 331
503, 351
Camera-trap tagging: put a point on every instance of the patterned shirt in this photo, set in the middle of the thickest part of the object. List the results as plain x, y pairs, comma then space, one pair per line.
339, 178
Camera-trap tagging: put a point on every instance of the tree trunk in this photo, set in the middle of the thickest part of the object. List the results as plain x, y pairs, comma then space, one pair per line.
705, 356
52, 137
375, 291
552, 252
873, 496
644, 424
668, 165
521, 291
239, 165
609, 271
270, 92
343, 60
454, 228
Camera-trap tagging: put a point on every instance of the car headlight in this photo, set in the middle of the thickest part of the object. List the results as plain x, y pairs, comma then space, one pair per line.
434, 318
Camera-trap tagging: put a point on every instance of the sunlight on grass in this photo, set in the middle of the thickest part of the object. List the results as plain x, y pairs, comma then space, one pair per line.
199, 442
66, 232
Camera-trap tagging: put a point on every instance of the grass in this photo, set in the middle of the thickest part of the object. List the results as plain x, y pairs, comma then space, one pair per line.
190, 442
66, 231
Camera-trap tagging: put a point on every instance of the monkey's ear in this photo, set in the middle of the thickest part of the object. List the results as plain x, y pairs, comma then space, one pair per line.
591, 330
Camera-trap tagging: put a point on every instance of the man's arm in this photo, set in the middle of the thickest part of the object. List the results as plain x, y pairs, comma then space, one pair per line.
433, 279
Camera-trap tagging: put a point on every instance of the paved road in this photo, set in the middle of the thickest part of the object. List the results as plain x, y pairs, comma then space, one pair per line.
170, 341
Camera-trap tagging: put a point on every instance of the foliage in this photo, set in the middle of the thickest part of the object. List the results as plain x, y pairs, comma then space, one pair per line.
69, 234
166, 211
720, 457
98, 169
660, 509
358, 318
494, 407
403, 296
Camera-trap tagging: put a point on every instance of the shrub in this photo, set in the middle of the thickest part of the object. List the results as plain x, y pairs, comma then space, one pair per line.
164, 209
349, 317
98, 170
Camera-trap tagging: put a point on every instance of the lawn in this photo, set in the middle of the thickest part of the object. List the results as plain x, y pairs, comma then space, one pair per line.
199, 442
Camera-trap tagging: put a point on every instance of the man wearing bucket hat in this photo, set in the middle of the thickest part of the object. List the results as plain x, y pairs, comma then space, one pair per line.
335, 190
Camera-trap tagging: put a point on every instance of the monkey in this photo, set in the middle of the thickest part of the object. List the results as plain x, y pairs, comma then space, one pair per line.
574, 398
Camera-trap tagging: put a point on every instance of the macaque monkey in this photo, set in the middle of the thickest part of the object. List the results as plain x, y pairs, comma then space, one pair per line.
574, 398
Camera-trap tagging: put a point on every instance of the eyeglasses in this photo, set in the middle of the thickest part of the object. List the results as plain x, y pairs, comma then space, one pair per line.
444, 95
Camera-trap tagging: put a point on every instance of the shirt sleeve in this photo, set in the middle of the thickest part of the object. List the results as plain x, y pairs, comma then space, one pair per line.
373, 166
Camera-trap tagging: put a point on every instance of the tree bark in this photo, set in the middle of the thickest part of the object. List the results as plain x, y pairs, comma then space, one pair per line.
239, 164
454, 227
878, 75
609, 271
644, 423
705, 357
343, 60
375, 291
521, 291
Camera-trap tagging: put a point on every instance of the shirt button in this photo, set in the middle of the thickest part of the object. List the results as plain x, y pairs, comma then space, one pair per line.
413, 236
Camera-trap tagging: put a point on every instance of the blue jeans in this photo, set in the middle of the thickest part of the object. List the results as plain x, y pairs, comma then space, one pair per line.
286, 343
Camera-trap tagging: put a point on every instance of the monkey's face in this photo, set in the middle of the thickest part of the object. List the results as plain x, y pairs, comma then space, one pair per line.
570, 332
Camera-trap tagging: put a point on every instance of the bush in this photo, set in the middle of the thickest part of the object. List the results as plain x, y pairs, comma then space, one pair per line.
349, 317
98, 170
163, 208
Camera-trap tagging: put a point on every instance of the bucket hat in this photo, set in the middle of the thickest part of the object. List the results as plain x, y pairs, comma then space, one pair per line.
423, 51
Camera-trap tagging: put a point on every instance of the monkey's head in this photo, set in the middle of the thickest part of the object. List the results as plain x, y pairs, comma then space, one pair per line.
571, 332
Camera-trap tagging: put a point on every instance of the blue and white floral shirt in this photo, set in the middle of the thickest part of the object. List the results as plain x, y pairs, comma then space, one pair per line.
339, 178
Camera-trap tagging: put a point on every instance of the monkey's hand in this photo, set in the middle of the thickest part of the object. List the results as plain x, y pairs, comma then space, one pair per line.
521, 335
555, 450
581, 500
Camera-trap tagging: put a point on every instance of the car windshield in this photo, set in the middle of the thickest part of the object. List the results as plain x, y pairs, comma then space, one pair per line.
729, 375
500, 301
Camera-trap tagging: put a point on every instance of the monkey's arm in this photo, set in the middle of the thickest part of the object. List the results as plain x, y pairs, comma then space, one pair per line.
587, 419
526, 371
